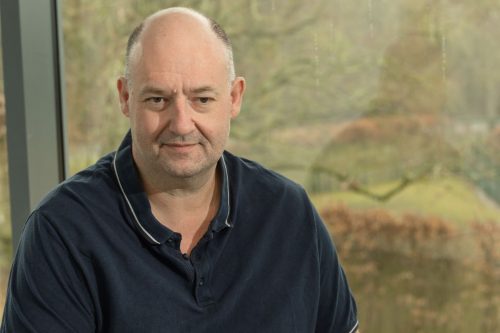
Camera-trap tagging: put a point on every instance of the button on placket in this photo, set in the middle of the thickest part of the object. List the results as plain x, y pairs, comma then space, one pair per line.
172, 242
198, 267
203, 293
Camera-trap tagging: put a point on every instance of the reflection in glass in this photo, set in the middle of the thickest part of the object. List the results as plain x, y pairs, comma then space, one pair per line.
5, 227
388, 113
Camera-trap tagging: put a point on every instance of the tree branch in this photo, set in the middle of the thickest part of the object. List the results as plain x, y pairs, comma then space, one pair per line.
355, 186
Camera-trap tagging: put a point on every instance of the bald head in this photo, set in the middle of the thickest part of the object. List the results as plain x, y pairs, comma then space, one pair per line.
168, 21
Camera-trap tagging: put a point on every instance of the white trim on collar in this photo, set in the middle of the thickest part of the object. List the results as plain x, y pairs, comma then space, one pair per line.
151, 238
354, 328
136, 219
226, 175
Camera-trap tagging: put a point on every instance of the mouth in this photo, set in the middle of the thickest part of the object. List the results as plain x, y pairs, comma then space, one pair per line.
179, 147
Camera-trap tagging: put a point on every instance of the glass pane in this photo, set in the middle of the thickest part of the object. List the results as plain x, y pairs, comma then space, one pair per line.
387, 112
5, 227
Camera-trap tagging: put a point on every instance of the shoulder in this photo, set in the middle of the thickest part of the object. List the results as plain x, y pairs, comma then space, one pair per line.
91, 182
77, 204
272, 196
249, 174
269, 200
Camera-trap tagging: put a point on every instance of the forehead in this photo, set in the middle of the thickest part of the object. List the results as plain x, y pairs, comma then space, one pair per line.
182, 45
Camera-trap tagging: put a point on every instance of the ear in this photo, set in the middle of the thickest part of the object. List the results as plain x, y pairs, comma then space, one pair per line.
237, 91
123, 94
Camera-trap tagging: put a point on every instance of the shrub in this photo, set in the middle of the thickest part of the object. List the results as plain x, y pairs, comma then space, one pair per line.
414, 273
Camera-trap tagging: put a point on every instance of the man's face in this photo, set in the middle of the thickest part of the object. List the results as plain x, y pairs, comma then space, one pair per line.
180, 103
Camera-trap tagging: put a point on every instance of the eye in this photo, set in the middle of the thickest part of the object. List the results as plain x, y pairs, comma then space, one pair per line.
155, 102
204, 100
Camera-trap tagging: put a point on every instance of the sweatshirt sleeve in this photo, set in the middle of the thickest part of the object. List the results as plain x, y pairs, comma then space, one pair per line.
337, 311
46, 291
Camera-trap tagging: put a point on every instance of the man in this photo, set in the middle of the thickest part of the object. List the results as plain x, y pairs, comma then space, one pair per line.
171, 233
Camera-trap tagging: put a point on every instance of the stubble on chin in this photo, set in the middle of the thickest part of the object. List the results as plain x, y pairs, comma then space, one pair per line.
186, 165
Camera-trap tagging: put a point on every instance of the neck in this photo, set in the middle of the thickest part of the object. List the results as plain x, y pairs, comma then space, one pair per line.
186, 206
155, 184
193, 192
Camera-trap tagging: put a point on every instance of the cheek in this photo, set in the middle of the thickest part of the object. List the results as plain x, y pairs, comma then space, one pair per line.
147, 124
215, 122
220, 131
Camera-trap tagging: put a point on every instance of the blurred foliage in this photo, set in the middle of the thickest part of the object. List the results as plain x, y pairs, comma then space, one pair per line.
375, 103
400, 83
419, 274
5, 229
447, 197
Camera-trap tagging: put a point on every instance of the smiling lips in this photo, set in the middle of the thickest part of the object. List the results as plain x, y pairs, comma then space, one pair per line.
179, 147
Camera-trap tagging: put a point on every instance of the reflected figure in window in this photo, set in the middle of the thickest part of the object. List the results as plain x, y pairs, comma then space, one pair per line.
171, 233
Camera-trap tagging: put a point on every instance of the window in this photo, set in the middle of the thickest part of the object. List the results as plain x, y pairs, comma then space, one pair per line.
386, 111
5, 227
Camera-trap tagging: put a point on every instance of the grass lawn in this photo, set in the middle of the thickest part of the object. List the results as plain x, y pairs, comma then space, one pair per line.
452, 199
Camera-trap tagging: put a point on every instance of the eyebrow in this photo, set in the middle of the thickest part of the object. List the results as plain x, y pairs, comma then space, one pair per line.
153, 90
203, 89
163, 92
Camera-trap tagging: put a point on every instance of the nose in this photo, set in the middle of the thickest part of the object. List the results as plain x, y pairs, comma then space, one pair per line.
180, 117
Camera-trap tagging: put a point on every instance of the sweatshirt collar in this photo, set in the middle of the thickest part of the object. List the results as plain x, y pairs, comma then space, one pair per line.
131, 188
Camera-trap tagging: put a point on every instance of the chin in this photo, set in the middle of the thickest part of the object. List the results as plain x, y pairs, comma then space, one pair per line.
187, 171
185, 168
